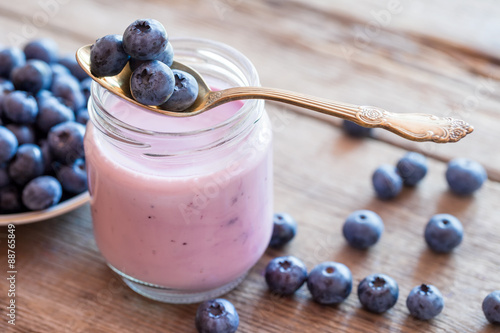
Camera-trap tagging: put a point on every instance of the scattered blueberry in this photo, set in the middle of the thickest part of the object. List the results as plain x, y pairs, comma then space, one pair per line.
107, 56
425, 302
10, 199
387, 182
66, 141
32, 76
491, 307
167, 57
378, 292
284, 229
363, 229
145, 39
412, 167
41, 193
70, 63
185, 92
67, 88
465, 176
20, 107
443, 233
330, 282
23, 133
285, 275
73, 177
8, 144
9, 59
26, 164
217, 316
43, 49
355, 130
152, 83
52, 112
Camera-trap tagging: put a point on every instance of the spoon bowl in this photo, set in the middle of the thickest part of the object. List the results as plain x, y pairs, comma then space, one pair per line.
411, 126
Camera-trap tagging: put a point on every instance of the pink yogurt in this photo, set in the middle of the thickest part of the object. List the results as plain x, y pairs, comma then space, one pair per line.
194, 226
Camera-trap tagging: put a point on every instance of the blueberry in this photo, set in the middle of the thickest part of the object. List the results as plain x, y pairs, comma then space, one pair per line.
82, 116
59, 70
152, 83
107, 56
387, 182
70, 63
67, 88
41, 193
363, 229
330, 282
443, 233
465, 176
4, 176
43, 95
355, 130
8, 144
10, 199
412, 167
32, 76
66, 141
23, 133
145, 39
20, 107
185, 92
9, 59
52, 112
26, 164
6, 85
284, 229
73, 177
167, 57
217, 316
491, 307
85, 85
285, 275
43, 49
378, 293
46, 155
425, 302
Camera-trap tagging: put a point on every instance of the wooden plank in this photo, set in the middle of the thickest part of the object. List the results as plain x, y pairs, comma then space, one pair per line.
314, 47
64, 285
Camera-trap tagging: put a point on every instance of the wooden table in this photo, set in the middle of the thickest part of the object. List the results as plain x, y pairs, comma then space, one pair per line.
433, 56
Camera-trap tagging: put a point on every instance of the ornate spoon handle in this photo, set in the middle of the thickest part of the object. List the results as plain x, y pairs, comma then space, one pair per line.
412, 126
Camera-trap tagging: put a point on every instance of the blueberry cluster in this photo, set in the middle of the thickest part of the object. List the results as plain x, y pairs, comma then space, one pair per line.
146, 48
43, 114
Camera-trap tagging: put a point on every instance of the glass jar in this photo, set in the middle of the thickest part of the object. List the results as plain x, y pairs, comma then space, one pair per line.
182, 207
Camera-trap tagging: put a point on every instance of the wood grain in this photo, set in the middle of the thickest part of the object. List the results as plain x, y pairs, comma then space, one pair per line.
432, 57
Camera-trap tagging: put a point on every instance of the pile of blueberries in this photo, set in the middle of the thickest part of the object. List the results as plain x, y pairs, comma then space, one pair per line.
146, 48
43, 112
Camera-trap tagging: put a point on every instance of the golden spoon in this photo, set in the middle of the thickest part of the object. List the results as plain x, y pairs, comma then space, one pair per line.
412, 126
